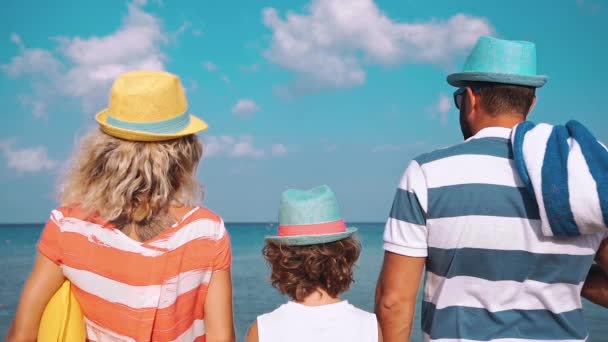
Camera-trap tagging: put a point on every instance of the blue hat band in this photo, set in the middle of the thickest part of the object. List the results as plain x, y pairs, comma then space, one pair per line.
169, 126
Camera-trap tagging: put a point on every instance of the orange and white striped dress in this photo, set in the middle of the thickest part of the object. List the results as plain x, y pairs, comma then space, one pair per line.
139, 291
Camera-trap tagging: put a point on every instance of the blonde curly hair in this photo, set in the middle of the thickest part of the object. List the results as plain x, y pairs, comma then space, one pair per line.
133, 183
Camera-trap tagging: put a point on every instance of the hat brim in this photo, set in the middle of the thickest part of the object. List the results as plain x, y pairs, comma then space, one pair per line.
196, 126
303, 240
460, 79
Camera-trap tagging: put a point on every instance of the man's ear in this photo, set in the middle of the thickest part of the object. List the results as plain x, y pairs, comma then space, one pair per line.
532, 105
472, 100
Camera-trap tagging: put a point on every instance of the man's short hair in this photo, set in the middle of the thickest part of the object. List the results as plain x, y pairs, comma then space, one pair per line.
497, 98
298, 271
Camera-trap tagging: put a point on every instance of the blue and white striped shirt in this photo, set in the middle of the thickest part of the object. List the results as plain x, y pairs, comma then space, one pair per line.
490, 272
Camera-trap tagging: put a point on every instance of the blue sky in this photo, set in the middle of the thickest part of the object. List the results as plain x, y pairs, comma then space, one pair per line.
297, 93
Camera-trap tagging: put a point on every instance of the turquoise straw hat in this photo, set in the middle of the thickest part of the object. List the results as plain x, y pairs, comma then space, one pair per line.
500, 61
308, 217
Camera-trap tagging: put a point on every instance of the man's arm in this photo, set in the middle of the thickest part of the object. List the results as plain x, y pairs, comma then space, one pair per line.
406, 249
396, 295
595, 288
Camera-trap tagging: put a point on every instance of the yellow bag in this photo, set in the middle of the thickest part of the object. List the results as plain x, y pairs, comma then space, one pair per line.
62, 320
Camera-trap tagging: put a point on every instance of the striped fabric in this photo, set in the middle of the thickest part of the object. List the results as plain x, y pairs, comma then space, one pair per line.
566, 169
133, 291
491, 275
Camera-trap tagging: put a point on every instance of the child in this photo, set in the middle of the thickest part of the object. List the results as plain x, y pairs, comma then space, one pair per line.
145, 263
312, 259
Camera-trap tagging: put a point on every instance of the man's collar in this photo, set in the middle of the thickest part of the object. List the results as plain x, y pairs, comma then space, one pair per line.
493, 132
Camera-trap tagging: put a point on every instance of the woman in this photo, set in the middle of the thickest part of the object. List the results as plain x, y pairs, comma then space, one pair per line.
145, 263
312, 259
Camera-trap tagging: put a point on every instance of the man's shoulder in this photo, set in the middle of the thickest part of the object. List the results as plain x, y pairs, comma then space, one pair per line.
491, 146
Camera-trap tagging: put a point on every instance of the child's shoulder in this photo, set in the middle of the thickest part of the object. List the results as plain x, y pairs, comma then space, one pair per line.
357, 312
278, 311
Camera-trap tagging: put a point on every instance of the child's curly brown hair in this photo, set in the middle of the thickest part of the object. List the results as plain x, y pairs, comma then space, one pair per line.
298, 271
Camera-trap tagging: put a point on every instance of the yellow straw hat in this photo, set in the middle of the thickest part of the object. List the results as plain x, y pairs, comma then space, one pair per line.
148, 106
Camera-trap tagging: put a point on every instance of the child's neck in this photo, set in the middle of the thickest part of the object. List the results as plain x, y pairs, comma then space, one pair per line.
319, 297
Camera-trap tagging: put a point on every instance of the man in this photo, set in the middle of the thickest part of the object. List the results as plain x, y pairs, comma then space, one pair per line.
464, 214
596, 284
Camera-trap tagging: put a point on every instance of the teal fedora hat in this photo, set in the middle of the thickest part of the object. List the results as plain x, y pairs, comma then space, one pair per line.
500, 61
308, 217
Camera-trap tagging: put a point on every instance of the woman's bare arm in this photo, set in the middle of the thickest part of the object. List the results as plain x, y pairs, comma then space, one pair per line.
46, 278
219, 326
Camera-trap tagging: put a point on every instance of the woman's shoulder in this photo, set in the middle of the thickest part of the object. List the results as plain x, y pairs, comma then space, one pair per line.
74, 213
202, 220
202, 213
186, 214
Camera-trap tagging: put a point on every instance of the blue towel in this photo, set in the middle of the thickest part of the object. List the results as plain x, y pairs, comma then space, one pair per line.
566, 170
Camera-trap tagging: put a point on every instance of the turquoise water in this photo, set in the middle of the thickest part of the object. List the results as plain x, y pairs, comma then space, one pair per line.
252, 294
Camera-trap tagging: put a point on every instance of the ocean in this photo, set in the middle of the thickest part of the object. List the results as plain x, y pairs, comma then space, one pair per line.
252, 293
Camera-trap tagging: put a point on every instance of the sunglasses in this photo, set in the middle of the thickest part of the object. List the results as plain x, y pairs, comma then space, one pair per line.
459, 95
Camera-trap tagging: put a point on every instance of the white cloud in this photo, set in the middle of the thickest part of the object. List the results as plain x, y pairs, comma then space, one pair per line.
29, 159
278, 150
444, 103
39, 107
245, 107
194, 85
589, 6
242, 147
97, 61
84, 68
184, 27
209, 66
215, 146
442, 108
331, 148
245, 148
329, 46
31, 61
16, 39
233, 147
251, 69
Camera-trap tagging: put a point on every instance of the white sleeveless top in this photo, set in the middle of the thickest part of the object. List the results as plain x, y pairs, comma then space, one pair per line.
332, 322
